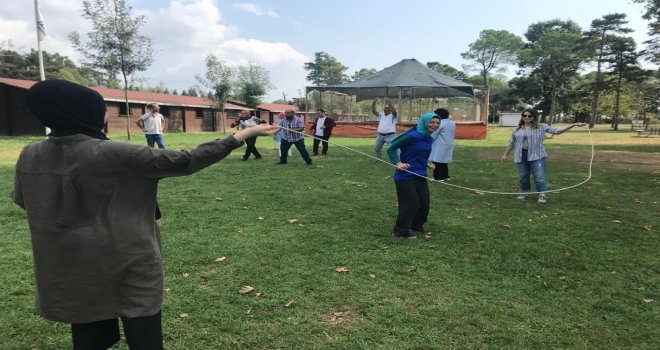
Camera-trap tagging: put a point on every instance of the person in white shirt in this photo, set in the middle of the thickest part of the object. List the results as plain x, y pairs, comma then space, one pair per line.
153, 123
386, 131
443, 145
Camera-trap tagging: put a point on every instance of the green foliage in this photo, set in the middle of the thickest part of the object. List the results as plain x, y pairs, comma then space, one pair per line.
577, 273
253, 83
447, 70
219, 78
114, 44
363, 73
493, 49
326, 70
552, 56
652, 14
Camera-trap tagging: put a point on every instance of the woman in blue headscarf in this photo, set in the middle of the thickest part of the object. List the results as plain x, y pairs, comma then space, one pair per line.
412, 191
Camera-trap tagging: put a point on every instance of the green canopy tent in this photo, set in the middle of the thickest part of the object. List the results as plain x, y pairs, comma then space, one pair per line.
406, 79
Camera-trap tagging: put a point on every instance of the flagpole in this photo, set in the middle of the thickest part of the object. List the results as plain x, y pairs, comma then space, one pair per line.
41, 33
38, 19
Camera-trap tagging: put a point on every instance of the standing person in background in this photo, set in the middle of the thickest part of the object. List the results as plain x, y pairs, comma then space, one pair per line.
294, 128
153, 124
322, 129
246, 120
412, 190
91, 208
526, 142
386, 131
443, 146
277, 138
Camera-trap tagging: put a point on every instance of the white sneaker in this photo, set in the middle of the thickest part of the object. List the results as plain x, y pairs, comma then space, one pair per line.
542, 199
522, 197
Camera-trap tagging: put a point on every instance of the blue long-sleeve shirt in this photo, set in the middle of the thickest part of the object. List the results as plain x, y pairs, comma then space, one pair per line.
415, 149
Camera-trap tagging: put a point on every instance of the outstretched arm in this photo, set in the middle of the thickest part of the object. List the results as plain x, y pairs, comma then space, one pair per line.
373, 106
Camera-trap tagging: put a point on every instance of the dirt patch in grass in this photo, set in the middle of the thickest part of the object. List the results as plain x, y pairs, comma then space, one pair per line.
642, 162
343, 314
630, 161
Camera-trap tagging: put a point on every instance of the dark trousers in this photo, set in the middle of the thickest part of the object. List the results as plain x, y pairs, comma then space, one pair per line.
441, 171
300, 145
315, 145
251, 148
414, 203
142, 333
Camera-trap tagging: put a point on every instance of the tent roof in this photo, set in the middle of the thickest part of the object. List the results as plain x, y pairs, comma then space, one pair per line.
412, 77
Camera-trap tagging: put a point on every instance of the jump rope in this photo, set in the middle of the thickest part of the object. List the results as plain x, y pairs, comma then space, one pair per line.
474, 190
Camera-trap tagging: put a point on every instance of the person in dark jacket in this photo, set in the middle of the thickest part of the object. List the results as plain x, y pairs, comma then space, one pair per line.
91, 209
322, 129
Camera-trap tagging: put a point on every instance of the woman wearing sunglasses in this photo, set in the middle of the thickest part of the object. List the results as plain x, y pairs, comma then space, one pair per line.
529, 154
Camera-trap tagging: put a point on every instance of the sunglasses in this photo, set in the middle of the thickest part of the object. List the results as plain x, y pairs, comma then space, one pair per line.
528, 116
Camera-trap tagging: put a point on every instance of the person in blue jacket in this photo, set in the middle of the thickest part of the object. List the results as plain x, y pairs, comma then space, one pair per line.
412, 190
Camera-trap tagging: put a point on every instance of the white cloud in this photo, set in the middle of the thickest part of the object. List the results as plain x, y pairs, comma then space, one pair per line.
254, 9
184, 32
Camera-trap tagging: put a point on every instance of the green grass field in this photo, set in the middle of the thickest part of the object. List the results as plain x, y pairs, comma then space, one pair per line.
580, 272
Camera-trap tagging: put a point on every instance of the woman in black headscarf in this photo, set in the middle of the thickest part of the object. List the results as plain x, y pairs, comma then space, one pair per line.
91, 206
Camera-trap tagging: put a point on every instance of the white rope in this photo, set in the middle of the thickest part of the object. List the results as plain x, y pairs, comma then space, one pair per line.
475, 190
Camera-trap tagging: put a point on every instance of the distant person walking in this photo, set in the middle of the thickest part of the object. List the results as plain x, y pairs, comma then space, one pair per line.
246, 120
386, 131
526, 142
322, 129
153, 124
443, 146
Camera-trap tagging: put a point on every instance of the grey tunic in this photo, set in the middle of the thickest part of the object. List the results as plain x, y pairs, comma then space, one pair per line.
90, 206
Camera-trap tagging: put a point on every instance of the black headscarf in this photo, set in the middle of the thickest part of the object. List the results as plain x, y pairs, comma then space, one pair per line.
67, 108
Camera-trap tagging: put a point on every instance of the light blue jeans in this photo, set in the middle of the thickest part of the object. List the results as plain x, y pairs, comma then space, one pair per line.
155, 139
380, 141
537, 169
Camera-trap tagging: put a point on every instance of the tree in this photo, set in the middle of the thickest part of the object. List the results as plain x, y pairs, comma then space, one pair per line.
493, 49
114, 44
363, 73
326, 70
219, 79
553, 58
595, 42
623, 61
652, 14
192, 92
253, 83
447, 70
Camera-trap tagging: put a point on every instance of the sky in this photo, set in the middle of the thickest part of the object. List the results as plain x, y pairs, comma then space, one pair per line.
282, 35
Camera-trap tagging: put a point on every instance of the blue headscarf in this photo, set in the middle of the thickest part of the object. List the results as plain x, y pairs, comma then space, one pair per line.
423, 124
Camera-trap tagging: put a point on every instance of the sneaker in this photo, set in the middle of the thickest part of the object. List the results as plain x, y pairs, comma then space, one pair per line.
542, 199
522, 197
